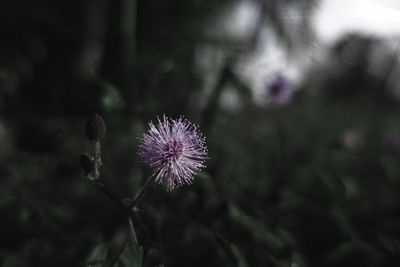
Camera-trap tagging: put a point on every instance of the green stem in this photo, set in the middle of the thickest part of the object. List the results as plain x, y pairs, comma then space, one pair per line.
141, 192
133, 232
132, 214
110, 195
97, 160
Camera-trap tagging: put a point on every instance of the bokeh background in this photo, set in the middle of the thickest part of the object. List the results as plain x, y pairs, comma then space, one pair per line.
298, 100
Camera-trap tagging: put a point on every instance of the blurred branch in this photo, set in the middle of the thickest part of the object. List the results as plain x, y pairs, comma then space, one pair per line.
293, 33
211, 109
392, 66
129, 53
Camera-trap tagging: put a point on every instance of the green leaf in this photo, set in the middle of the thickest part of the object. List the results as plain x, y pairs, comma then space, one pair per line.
259, 231
111, 98
227, 248
97, 257
239, 255
132, 256
204, 175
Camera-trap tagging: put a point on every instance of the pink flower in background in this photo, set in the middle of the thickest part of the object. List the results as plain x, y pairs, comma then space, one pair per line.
174, 149
394, 142
351, 139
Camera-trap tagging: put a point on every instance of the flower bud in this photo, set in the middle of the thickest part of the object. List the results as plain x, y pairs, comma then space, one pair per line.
95, 128
86, 163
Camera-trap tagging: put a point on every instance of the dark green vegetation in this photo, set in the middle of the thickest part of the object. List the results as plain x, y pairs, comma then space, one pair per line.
280, 188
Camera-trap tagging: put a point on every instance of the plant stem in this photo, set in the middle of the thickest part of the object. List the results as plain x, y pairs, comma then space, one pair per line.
97, 160
133, 232
129, 208
132, 213
110, 195
141, 192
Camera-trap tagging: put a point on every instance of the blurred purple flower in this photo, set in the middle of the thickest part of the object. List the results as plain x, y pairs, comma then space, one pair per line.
279, 90
174, 149
394, 142
351, 139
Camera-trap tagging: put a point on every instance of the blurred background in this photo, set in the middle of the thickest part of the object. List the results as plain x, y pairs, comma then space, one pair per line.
298, 100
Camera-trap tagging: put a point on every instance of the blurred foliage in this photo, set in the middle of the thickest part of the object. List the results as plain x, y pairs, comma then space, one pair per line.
281, 188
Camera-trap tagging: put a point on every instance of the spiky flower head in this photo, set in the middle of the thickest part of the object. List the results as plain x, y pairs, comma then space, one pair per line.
174, 149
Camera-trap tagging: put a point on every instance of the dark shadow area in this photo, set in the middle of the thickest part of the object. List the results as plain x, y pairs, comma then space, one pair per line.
305, 173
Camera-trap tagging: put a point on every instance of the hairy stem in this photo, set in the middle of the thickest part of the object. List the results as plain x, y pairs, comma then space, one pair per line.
132, 214
133, 232
97, 160
141, 192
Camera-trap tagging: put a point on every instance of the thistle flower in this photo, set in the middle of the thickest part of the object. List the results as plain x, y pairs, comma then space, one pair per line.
278, 91
174, 149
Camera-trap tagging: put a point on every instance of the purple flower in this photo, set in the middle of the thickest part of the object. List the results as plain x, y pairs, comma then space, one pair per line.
351, 139
174, 149
278, 91
394, 142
